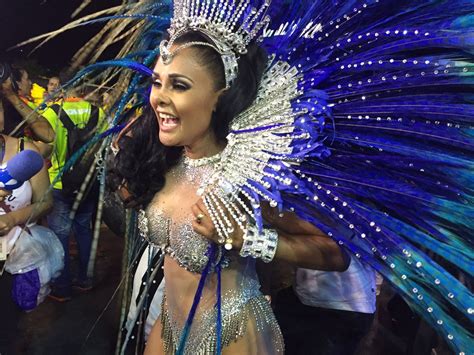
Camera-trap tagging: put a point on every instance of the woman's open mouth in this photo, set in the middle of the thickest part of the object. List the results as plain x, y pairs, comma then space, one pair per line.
167, 121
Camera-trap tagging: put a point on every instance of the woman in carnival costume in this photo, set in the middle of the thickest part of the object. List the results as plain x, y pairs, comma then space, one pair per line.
193, 98
357, 125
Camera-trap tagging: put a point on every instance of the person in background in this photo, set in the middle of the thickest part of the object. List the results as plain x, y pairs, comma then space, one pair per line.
54, 83
79, 112
327, 313
53, 93
43, 97
27, 203
19, 109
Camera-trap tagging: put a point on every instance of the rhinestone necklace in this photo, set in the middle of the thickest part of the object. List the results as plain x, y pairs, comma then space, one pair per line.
197, 170
195, 163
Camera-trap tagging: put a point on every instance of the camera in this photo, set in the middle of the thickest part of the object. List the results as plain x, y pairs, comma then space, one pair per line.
5, 72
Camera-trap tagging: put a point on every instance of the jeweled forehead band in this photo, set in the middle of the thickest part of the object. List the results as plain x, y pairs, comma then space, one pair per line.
229, 59
228, 24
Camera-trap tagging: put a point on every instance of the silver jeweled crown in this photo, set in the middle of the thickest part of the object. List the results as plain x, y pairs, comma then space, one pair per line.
229, 24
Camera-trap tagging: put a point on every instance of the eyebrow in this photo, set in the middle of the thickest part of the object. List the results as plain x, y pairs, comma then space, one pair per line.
173, 76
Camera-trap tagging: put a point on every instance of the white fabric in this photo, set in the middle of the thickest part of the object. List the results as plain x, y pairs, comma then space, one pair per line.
155, 304
351, 290
19, 198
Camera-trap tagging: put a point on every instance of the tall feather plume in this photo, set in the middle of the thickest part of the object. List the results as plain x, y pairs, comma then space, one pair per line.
81, 7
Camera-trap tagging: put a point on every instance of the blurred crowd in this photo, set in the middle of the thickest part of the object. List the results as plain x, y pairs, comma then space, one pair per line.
38, 115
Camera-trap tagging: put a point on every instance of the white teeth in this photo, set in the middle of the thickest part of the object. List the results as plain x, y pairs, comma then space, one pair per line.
168, 120
166, 116
169, 123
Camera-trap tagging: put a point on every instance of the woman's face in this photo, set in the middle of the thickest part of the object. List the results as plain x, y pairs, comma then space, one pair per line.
53, 85
183, 97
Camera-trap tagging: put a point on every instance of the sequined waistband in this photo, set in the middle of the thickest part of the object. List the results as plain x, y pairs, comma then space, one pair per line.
203, 339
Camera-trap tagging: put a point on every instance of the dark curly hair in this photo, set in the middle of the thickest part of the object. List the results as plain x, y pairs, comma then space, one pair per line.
143, 160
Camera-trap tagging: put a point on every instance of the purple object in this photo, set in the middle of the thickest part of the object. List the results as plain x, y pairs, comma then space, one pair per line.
25, 289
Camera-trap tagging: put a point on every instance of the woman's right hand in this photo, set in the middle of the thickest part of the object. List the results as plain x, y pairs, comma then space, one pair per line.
4, 193
7, 222
202, 224
7, 88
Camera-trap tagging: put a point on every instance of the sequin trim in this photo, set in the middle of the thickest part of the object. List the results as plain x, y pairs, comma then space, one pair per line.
235, 317
178, 239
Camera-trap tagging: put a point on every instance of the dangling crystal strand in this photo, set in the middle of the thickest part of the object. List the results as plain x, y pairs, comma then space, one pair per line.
250, 200
215, 221
198, 7
237, 215
186, 8
228, 228
234, 211
221, 218
258, 14
257, 191
256, 29
230, 13
191, 7
239, 7
205, 9
240, 10
249, 170
274, 177
246, 30
222, 11
245, 26
215, 10
178, 9
244, 205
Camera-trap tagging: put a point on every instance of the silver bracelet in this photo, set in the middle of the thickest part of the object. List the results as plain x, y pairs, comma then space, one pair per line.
260, 245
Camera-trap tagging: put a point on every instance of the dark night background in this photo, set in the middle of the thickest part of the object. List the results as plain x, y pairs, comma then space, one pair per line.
23, 19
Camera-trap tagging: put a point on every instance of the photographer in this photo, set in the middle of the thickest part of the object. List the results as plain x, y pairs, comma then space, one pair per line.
16, 108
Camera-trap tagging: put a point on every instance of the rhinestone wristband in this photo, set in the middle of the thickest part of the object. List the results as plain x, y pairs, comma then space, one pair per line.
260, 245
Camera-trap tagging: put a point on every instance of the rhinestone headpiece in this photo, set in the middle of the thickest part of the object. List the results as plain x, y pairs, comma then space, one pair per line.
230, 25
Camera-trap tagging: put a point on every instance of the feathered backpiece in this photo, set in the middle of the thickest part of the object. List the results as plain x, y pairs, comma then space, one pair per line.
363, 126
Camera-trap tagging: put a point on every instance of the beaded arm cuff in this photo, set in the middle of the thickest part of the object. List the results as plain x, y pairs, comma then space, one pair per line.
260, 245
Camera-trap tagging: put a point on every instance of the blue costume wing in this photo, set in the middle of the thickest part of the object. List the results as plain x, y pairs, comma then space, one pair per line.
364, 127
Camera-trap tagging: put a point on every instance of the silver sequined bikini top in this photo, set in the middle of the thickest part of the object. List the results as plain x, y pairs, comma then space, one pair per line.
178, 239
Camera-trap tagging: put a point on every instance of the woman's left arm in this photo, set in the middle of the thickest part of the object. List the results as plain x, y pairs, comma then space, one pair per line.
41, 200
303, 245
38, 124
299, 242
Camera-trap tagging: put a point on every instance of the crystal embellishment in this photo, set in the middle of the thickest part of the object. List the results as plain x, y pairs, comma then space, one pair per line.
230, 26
